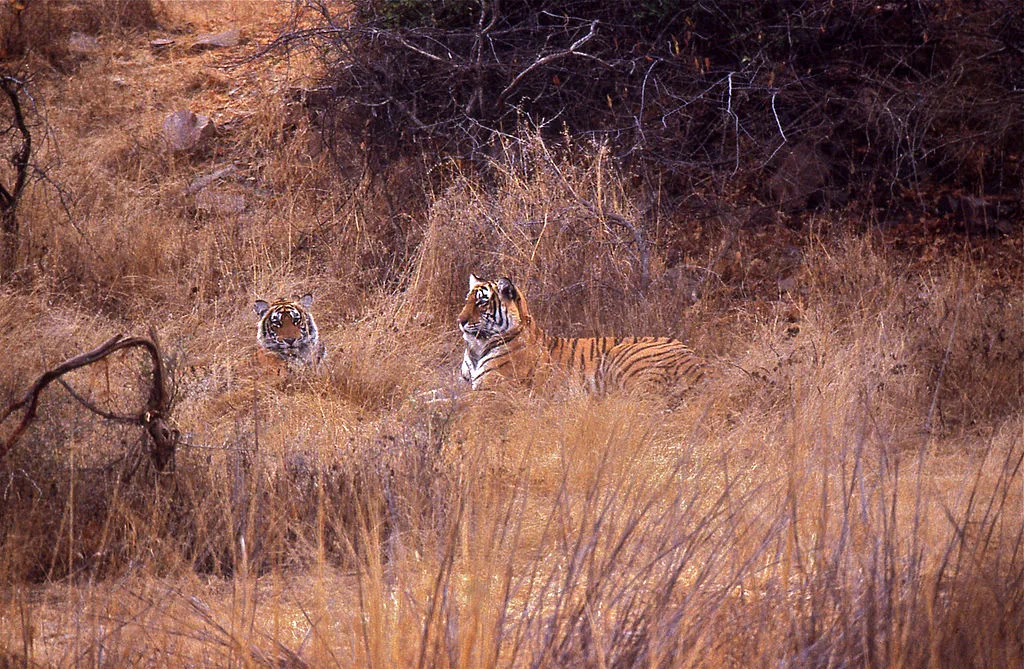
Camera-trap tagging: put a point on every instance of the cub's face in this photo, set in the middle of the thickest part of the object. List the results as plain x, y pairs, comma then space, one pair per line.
284, 325
492, 308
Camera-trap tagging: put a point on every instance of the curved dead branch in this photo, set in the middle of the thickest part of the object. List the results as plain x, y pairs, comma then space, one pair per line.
163, 438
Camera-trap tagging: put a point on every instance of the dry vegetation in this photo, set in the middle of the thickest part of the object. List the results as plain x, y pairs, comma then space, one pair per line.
845, 491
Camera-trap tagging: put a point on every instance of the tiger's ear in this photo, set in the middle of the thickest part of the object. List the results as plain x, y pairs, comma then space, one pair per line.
506, 289
307, 300
260, 307
474, 281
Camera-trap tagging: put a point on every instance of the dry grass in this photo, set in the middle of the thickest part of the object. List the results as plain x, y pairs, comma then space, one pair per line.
845, 490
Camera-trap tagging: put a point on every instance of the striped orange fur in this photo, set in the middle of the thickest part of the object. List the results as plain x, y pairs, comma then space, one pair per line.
503, 342
287, 332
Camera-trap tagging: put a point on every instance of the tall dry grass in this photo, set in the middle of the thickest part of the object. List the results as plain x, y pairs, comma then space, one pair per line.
846, 489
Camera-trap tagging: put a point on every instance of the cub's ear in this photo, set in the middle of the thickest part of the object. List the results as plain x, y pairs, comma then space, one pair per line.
506, 289
474, 281
260, 307
307, 300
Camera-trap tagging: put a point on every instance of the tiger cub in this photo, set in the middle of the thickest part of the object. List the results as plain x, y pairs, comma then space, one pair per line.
503, 342
287, 332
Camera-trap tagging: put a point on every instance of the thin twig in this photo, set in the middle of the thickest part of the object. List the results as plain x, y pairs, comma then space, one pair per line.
571, 51
117, 418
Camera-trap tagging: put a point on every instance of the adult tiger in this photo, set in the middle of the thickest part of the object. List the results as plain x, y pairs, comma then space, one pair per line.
287, 332
504, 342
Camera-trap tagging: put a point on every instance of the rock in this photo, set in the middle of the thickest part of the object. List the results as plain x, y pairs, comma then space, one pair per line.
206, 41
161, 44
201, 182
82, 43
184, 130
219, 202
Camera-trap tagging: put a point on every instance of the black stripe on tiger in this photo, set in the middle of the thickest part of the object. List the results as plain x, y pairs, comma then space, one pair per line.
288, 331
504, 343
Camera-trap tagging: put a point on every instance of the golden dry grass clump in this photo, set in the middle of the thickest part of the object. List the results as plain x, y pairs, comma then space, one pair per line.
846, 488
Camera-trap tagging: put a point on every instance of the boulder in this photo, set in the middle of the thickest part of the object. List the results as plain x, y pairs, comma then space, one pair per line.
207, 41
184, 130
82, 44
219, 202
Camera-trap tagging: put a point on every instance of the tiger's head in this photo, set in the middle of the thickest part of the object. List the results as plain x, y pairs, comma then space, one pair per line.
286, 327
493, 308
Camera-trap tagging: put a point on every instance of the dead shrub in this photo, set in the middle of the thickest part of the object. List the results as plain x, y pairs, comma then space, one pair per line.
560, 221
948, 345
892, 102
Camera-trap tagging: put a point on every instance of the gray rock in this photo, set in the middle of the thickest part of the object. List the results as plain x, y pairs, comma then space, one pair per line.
82, 43
184, 130
219, 202
228, 38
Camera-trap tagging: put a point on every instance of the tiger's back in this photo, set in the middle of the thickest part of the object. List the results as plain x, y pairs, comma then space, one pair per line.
503, 342
628, 363
651, 361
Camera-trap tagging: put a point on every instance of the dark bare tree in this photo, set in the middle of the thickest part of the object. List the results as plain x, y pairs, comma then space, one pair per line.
10, 194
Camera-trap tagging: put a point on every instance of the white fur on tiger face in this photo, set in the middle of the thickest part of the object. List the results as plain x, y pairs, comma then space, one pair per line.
504, 343
287, 328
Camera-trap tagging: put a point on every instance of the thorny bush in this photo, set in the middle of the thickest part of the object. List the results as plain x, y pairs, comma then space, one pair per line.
801, 104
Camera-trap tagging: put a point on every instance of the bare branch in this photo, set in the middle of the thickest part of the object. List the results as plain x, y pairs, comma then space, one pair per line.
394, 36
31, 398
12, 88
571, 51
164, 438
117, 418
